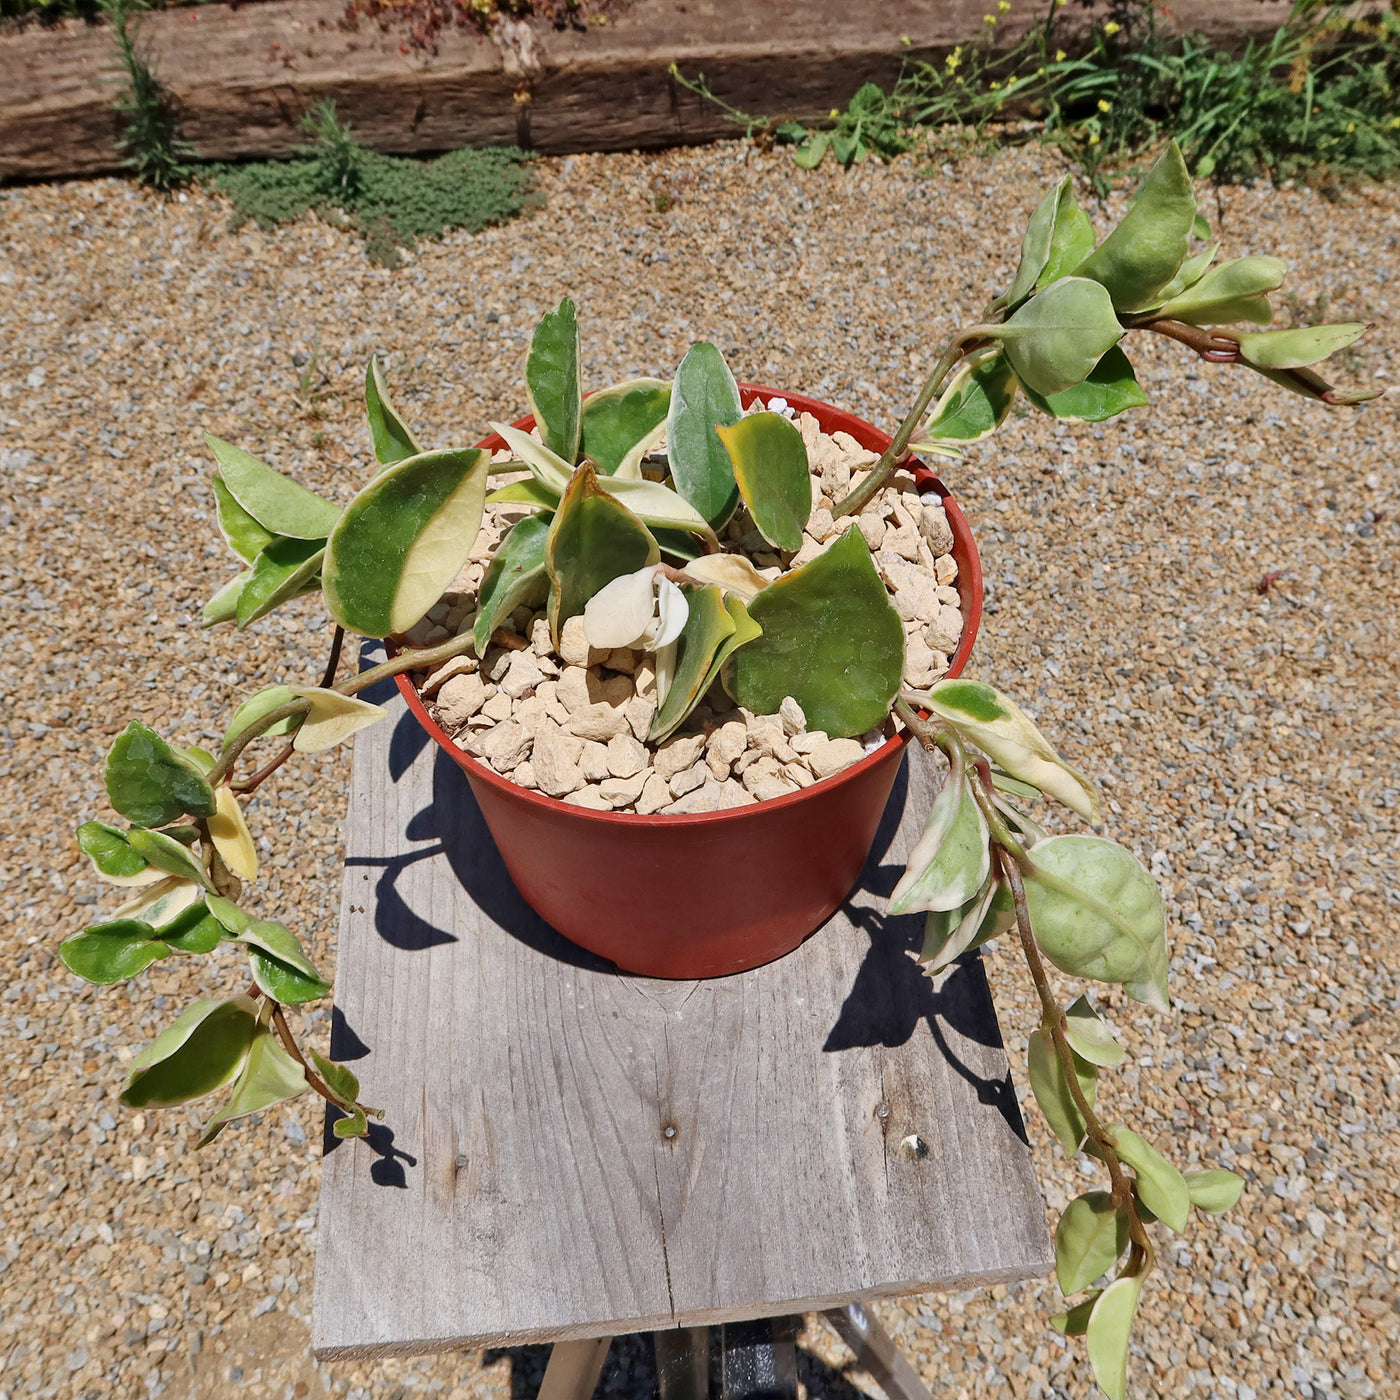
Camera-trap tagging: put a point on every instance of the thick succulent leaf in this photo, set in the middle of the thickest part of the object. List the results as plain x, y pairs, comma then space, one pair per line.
285, 570
617, 419
263, 702
1075, 1322
229, 832
279, 504
1108, 1332
279, 965
657, 505
592, 540
1149, 245
516, 575
229, 915
112, 857
151, 784
1052, 1091
1071, 242
162, 902
733, 572
1214, 1191
168, 854
704, 397
388, 432
195, 930
339, 1079
1058, 237
995, 724
241, 532
223, 606
1110, 388
1160, 1185
630, 467
403, 539
831, 639
1313, 386
769, 462
112, 951
1098, 913
547, 467
353, 1126
1190, 272
1091, 1037
269, 1076
1060, 334
332, 718
680, 545
745, 631
1234, 291
553, 383
1297, 348
1089, 1239
974, 404
201, 1052
949, 933
528, 492
708, 624
951, 861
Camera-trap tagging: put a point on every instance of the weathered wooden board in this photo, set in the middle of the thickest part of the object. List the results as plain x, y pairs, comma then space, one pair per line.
525, 1187
244, 76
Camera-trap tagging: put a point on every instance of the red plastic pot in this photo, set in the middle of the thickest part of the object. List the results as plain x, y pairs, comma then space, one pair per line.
715, 892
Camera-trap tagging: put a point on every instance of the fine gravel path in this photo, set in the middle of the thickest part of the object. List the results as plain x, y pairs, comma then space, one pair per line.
1246, 735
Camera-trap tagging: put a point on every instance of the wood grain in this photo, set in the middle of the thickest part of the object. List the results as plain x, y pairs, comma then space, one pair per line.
590, 1153
243, 77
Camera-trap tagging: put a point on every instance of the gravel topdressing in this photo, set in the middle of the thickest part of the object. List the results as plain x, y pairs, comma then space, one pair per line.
1198, 602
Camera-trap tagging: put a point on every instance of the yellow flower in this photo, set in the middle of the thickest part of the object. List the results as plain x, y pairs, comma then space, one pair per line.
1395, 121
1093, 138
834, 113
1060, 55
1105, 106
1351, 126
994, 86
1111, 28
1003, 5
953, 59
989, 19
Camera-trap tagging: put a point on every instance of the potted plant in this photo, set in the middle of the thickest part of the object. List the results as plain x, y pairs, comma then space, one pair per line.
690, 619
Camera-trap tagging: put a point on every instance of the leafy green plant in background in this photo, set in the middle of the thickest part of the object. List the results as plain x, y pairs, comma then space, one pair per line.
625, 535
391, 200
158, 155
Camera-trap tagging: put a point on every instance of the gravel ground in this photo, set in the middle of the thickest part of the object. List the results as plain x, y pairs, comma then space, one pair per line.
1246, 735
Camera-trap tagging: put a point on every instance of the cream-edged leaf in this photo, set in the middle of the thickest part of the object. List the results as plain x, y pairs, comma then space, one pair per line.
332, 718
229, 833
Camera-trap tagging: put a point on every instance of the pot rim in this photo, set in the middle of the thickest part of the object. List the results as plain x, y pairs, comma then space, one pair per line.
969, 573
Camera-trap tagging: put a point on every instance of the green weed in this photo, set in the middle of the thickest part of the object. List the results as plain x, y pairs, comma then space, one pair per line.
157, 154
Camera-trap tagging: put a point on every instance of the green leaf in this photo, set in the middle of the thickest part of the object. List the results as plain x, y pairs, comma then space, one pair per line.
332, 718
387, 430
1058, 236
339, 1079
552, 380
403, 539
528, 492
1214, 1191
284, 570
769, 462
276, 502
1075, 1322
111, 854
993, 723
1091, 1037
1111, 387
353, 1126
1060, 334
1071, 243
241, 532
811, 154
112, 952
201, 1052
948, 934
516, 575
263, 702
704, 397
1162, 1187
548, 468
1296, 348
229, 914
1089, 1239
161, 902
1097, 913
831, 639
974, 404
270, 1076
952, 860
168, 854
616, 419
1189, 273
1200, 227
280, 967
194, 930
1052, 1089
149, 783
1147, 248
714, 627
1234, 291
592, 540
1108, 1332
223, 606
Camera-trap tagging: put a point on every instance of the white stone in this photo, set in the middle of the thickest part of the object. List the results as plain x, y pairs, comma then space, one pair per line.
916, 597
767, 737
589, 797
495, 663
690, 779
460, 697
677, 754
503, 745
872, 527
573, 645
573, 688
933, 524
453, 666
524, 775
945, 569
834, 755
724, 747
644, 680
593, 761
944, 630
522, 675
626, 757
622, 792
903, 541
497, 708
805, 743
540, 641
790, 712
622, 659
809, 551
555, 759
600, 722
950, 596
714, 797
656, 794
799, 773
640, 714
820, 525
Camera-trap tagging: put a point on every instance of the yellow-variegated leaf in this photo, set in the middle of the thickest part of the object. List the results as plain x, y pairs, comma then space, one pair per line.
332, 719
229, 833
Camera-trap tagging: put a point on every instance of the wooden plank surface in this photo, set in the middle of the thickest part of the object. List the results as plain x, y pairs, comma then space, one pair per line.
243, 76
569, 1152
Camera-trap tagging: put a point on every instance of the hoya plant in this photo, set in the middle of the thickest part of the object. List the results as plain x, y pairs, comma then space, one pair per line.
621, 498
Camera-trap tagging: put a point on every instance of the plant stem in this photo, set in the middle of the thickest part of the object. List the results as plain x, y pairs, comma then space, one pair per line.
1219, 349
284, 1034
407, 661
960, 345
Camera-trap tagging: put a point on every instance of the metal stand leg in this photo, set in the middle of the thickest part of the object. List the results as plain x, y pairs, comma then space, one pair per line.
759, 1359
683, 1363
877, 1353
574, 1368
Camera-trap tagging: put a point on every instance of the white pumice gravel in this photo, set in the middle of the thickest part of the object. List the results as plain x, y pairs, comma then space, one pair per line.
1247, 737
